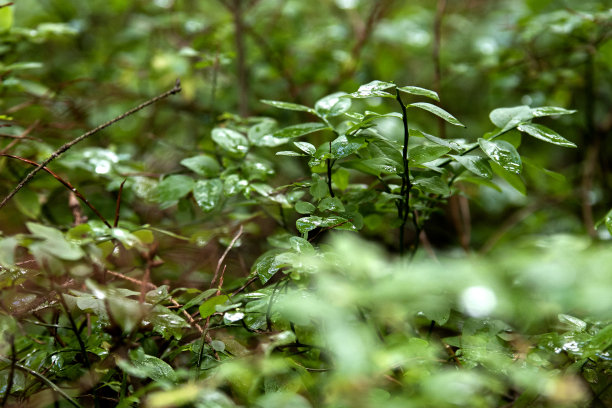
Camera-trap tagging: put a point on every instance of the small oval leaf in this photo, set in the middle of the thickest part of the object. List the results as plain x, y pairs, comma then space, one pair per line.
502, 153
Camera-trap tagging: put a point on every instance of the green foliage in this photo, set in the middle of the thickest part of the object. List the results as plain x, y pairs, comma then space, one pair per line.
338, 243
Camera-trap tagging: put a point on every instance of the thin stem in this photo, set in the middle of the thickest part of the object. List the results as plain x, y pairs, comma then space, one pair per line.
404, 209
176, 89
11, 376
43, 379
65, 183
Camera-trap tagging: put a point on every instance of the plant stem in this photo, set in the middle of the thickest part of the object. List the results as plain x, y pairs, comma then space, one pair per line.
404, 209
65, 147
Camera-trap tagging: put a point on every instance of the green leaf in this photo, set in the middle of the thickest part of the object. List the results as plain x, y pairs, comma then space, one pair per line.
608, 221
331, 204
208, 307
318, 188
208, 194
203, 165
54, 242
233, 185
304, 207
544, 133
550, 111
171, 189
289, 153
332, 105
6, 18
267, 265
341, 147
299, 130
432, 185
452, 145
478, 181
415, 90
27, 203
374, 166
289, 106
146, 366
436, 110
301, 246
513, 179
475, 164
374, 88
231, 141
424, 153
502, 153
306, 147
307, 224
507, 118
261, 134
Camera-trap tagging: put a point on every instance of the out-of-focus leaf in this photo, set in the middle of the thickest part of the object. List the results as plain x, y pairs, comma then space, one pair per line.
28, 203
54, 242
507, 118
299, 130
172, 188
306, 147
332, 105
261, 134
304, 207
203, 165
424, 153
502, 153
208, 307
431, 185
475, 164
231, 141
374, 88
513, 179
289, 106
208, 194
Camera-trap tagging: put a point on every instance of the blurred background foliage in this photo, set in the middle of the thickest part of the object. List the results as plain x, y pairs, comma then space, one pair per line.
68, 65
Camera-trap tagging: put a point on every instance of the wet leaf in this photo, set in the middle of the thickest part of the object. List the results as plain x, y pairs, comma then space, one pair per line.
507, 118
203, 165
513, 179
374, 88
208, 194
550, 111
54, 243
436, 110
475, 164
299, 130
171, 189
424, 153
304, 207
331, 204
415, 90
306, 147
288, 106
332, 105
431, 185
208, 308
502, 153
545, 134
231, 141
267, 265
261, 134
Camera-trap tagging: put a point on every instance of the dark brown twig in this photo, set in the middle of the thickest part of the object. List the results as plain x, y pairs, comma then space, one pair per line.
65, 183
118, 206
176, 89
220, 262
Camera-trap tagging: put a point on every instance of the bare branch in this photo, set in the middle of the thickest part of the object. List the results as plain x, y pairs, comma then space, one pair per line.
176, 89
